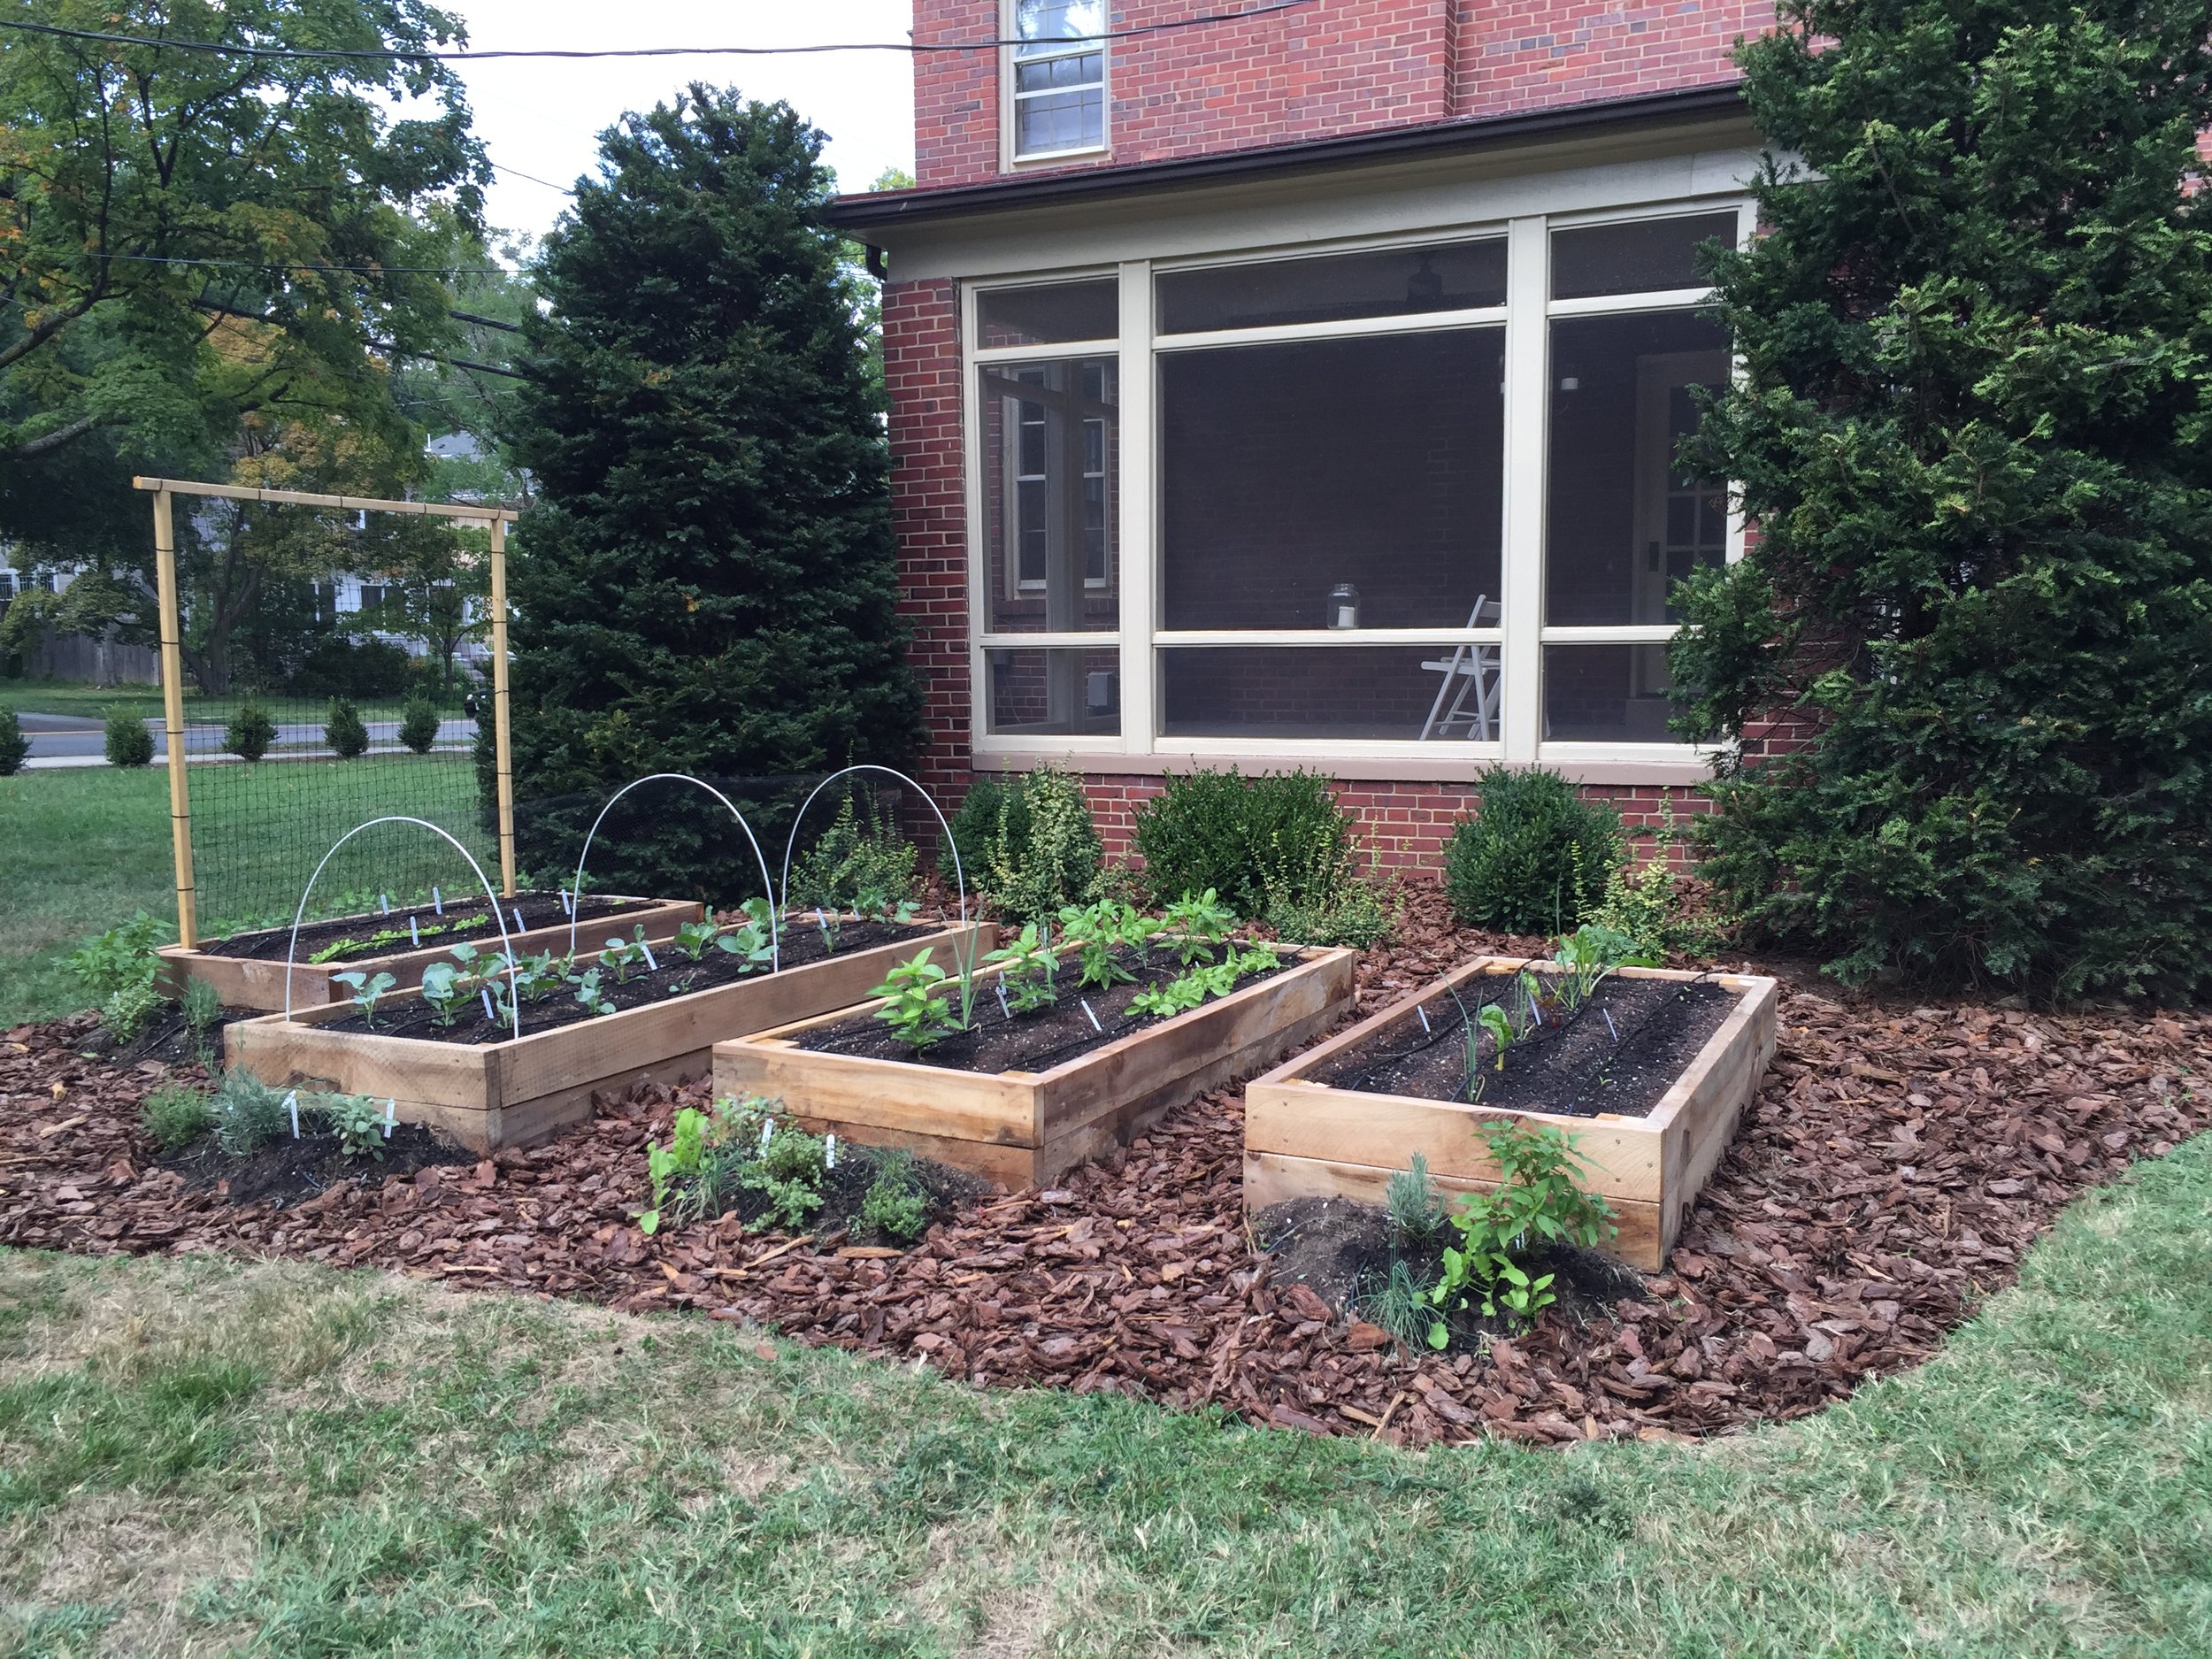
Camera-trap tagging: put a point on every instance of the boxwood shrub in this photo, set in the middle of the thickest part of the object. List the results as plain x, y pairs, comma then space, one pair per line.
1535, 856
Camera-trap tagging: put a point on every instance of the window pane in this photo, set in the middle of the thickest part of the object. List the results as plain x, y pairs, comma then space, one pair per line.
1049, 313
1049, 20
1647, 256
1059, 120
1599, 693
1456, 276
1441, 691
1286, 470
1050, 497
1055, 693
1625, 523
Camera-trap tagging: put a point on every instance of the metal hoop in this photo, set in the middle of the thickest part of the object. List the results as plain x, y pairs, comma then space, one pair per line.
514, 998
960, 881
775, 953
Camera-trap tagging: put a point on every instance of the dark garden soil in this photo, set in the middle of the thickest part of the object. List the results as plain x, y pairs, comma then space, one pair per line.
289, 1170
1887, 1176
375, 935
1619, 1052
847, 1188
677, 975
1034, 1041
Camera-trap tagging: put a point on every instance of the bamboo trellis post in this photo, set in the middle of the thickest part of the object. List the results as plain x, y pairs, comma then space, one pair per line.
173, 716
502, 749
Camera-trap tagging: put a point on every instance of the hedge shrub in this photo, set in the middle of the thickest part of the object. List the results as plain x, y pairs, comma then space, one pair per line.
1028, 844
128, 742
1534, 859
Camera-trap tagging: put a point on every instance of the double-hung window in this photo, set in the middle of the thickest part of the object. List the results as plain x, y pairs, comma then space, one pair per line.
1423, 500
1056, 75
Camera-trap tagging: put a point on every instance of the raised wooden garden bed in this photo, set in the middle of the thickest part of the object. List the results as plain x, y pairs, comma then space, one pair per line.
512, 1091
1309, 1133
1027, 1128
247, 970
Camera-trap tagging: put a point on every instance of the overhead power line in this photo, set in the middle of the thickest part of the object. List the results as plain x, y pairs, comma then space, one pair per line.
389, 53
266, 265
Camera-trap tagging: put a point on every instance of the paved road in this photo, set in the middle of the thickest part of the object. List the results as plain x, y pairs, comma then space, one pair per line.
69, 739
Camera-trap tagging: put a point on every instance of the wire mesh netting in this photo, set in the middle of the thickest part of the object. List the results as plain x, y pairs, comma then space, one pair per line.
337, 666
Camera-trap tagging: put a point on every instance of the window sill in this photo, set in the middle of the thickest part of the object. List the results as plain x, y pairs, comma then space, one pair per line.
1048, 158
1661, 764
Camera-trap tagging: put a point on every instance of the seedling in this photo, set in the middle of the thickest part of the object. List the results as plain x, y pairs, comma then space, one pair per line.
751, 941
367, 992
538, 976
830, 930
692, 938
589, 997
1097, 930
913, 1006
1026, 985
442, 990
359, 1125
1198, 924
622, 955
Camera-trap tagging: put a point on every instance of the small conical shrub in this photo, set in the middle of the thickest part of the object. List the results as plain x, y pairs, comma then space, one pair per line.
250, 733
419, 724
343, 730
128, 742
14, 747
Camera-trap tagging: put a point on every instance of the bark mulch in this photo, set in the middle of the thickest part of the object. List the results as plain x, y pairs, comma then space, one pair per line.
1892, 1170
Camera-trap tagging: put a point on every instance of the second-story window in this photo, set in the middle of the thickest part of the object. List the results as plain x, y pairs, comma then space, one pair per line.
1059, 76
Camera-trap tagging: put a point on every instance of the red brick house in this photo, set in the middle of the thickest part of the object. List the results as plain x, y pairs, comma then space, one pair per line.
1303, 389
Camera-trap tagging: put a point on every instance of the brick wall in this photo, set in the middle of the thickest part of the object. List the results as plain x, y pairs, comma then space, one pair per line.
1333, 67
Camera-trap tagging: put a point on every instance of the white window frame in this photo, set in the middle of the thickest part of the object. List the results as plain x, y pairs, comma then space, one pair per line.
1522, 633
1012, 156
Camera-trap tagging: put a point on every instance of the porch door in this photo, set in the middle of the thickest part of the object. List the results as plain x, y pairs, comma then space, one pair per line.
1681, 520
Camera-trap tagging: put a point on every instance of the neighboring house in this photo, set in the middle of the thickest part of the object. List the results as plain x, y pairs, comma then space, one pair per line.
1303, 390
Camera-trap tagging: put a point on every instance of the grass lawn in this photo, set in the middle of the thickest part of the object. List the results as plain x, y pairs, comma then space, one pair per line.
276, 1458
86, 848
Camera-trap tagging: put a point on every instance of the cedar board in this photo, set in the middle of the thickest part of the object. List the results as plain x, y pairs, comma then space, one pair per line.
510, 1093
1029, 1128
258, 982
1304, 1139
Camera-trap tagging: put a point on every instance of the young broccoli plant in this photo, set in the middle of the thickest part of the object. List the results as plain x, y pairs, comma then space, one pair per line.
622, 955
1198, 924
692, 938
913, 1006
367, 992
752, 941
443, 991
1029, 966
540, 976
358, 1123
589, 997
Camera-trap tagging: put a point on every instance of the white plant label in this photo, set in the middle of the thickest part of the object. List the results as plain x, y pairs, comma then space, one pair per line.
1004, 1011
437, 901
519, 928
485, 991
568, 905
767, 1130
1093, 1012
414, 932
651, 966
1609, 1026
292, 1102
1423, 1014
385, 901
391, 1117
830, 1152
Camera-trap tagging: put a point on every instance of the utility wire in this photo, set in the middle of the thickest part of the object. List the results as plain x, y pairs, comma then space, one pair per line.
262, 265
381, 54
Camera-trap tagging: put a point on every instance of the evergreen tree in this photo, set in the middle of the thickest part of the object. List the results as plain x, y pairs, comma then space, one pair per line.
706, 584
1972, 434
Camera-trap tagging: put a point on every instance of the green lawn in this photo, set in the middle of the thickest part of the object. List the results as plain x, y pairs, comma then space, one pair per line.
275, 1458
87, 848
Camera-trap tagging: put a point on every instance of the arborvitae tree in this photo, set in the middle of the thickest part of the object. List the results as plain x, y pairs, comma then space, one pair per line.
707, 584
1972, 434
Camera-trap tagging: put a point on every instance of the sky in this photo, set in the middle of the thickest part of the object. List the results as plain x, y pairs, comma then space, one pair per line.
541, 116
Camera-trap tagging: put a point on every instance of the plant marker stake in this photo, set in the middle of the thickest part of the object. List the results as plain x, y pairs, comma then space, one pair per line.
519, 928
1004, 1012
651, 965
293, 1101
767, 1130
485, 991
414, 932
385, 899
437, 901
832, 1150
1423, 1014
568, 905
1609, 1026
391, 1117
1093, 1012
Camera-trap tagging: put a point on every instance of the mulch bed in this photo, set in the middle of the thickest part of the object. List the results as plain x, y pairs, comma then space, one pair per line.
1892, 1170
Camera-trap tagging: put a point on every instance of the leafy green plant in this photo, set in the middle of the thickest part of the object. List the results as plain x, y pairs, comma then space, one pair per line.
1416, 1210
665, 1167
788, 1172
1586, 956
357, 1122
693, 939
589, 995
1196, 984
1195, 924
367, 992
123, 955
442, 992
622, 955
174, 1116
752, 941
127, 742
539, 975
130, 1010
250, 731
248, 1113
1029, 964
1029, 844
862, 863
15, 748
343, 730
915, 1006
896, 1205
1535, 856
1536, 1204
1098, 930
738, 1145
419, 724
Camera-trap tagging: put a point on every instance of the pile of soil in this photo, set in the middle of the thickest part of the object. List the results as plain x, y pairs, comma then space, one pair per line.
1619, 1052
1001, 1040
677, 975
1886, 1177
463, 919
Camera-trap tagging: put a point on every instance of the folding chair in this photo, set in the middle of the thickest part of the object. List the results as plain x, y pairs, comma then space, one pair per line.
1469, 668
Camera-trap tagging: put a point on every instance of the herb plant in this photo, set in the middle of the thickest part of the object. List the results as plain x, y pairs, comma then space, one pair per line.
1098, 930
1536, 1204
1395, 1301
248, 1113
202, 1005
1416, 1212
123, 955
174, 1116
130, 1010
895, 1204
664, 1166
788, 1173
